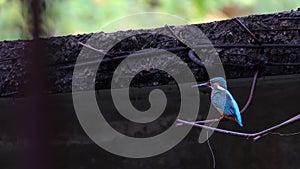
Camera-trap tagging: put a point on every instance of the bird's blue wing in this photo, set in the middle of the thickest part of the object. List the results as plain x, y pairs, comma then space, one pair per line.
232, 109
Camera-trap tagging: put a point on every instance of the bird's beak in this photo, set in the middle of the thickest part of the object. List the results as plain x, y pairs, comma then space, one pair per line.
202, 84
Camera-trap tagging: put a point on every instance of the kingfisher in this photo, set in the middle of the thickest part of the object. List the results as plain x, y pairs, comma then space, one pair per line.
222, 100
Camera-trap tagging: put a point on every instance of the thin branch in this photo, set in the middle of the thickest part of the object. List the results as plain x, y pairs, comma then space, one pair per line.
254, 136
192, 56
174, 34
210, 148
247, 30
202, 122
251, 93
286, 134
94, 49
207, 121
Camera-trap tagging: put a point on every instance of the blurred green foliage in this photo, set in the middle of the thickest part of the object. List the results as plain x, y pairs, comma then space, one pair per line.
62, 17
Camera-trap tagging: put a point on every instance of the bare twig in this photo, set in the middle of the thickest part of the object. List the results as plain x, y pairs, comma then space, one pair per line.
254, 136
285, 134
202, 122
94, 49
210, 148
207, 121
251, 93
247, 30
211, 151
174, 34
194, 58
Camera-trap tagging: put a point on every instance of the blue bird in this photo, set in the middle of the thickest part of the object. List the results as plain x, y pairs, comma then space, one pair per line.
222, 100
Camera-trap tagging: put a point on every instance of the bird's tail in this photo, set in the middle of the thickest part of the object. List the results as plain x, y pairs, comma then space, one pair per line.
239, 120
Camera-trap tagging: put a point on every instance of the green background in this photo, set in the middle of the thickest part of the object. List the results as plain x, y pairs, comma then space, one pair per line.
63, 17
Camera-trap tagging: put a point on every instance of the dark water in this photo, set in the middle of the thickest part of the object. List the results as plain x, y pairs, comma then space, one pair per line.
276, 99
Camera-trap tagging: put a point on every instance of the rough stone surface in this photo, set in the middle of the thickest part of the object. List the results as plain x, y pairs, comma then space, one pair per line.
238, 51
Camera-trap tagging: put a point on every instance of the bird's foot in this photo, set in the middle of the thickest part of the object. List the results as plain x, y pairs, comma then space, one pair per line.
222, 117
